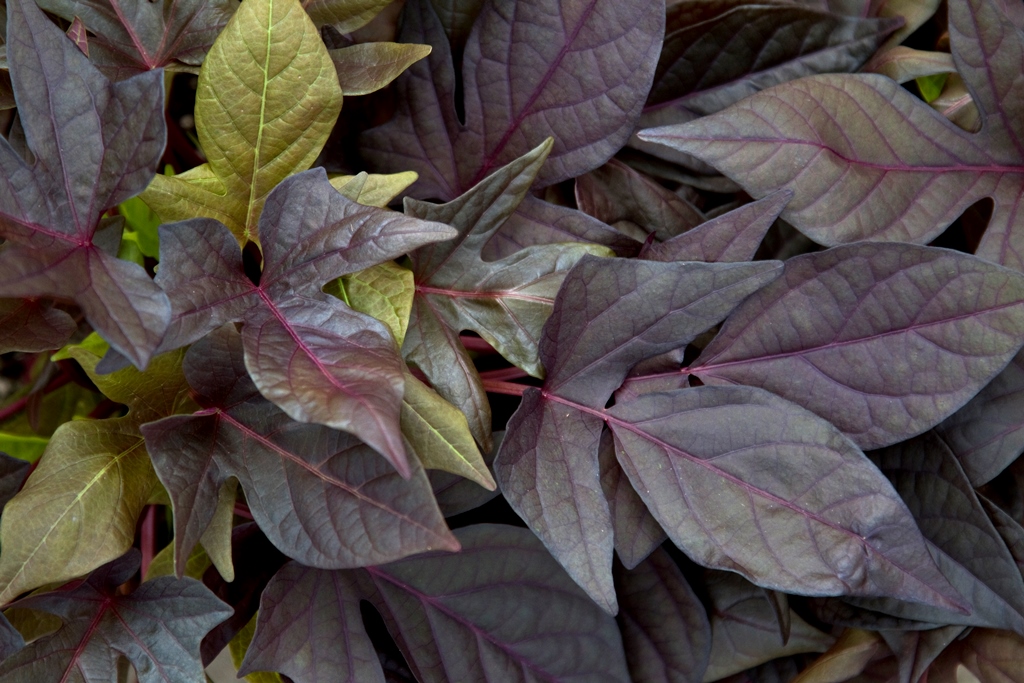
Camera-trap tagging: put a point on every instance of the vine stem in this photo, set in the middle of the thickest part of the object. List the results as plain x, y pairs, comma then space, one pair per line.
497, 386
503, 373
148, 538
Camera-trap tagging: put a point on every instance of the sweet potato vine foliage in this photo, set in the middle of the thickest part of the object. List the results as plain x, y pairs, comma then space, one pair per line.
492, 340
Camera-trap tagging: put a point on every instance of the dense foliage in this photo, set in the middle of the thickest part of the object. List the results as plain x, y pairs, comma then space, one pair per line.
684, 353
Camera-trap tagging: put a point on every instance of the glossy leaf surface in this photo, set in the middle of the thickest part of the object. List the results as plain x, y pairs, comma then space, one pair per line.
881, 340
340, 505
157, 626
51, 202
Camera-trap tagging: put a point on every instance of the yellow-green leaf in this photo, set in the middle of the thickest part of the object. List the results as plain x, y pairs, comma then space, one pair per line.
847, 657
438, 434
384, 291
23, 446
373, 189
217, 537
163, 563
268, 97
239, 645
364, 68
79, 508
344, 15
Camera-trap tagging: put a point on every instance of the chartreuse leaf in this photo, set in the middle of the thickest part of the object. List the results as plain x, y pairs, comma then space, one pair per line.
572, 69
848, 656
438, 434
239, 646
364, 68
93, 144
505, 301
132, 37
143, 224
665, 629
882, 340
79, 507
868, 160
163, 564
383, 291
316, 358
610, 314
373, 189
267, 99
240, 434
465, 597
157, 627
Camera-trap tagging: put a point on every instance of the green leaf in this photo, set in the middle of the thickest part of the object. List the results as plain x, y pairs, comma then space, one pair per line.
267, 99
374, 189
143, 223
24, 447
384, 291
163, 563
239, 645
439, 435
364, 68
79, 508
931, 86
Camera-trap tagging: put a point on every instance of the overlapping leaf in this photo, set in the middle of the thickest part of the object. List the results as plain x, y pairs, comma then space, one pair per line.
868, 160
309, 353
973, 554
80, 506
130, 37
665, 630
93, 144
267, 99
764, 488
884, 341
321, 496
609, 315
31, 325
450, 614
635, 532
578, 71
506, 301
157, 626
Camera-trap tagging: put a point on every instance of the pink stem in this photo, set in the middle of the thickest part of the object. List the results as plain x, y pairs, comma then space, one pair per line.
148, 540
496, 386
504, 373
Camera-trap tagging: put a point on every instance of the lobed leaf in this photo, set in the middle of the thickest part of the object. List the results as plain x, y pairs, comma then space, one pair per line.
867, 160
884, 341
133, 37
530, 95
51, 202
157, 627
79, 507
364, 68
339, 505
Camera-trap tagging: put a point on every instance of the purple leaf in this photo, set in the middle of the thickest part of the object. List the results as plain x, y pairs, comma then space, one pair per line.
868, 160
611, 314
665, 630
321, 496
310, 629
637, 534
548, 471
745, 481
12, 475
455, 494
635, 204
31, 326
973, 555
130, 37
987, 434
733, 236
500, 611
506, 301
95, 145
576, 70
884, 341
157, 627
309, 353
